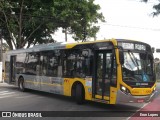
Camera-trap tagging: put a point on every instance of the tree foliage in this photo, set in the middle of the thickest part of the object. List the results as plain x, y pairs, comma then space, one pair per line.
156, 7
30, 22
79, 17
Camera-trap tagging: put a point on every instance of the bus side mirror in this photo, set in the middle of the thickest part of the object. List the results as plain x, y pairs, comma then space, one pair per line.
121, 55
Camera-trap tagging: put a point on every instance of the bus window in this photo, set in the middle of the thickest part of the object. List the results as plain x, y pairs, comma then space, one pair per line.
51, 63
20, 66
44, 63
76, 64
69, 63
32, 66
52, 66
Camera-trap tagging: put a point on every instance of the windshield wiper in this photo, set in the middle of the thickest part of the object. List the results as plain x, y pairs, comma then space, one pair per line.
134, 60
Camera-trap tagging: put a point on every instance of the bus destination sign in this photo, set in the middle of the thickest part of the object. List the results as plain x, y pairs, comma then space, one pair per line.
133, 46
140, 47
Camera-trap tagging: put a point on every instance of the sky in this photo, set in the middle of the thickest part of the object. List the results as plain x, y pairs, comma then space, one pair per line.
128, 19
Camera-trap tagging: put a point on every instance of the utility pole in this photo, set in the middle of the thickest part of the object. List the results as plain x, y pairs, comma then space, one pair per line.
1, 56
65, 34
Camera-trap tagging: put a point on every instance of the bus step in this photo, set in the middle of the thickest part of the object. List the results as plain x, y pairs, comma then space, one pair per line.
101, 101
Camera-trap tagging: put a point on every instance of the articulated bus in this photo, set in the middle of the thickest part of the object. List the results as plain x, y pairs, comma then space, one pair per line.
110, 71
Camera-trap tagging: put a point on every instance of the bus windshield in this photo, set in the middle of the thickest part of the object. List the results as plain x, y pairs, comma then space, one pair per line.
137, 67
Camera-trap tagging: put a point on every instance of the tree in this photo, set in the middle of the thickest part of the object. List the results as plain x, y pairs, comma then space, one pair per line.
79, 17
22, 22
156, 7
30, 22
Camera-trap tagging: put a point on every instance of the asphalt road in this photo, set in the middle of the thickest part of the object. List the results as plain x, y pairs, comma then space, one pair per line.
60, 106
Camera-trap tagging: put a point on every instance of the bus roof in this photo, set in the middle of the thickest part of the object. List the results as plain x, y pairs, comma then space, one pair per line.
51, 46
61, 45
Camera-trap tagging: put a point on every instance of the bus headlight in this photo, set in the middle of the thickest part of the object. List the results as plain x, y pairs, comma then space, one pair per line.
124, 89
154, 89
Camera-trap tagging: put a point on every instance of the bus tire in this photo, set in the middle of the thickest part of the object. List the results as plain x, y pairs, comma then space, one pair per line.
21, 84
79, 94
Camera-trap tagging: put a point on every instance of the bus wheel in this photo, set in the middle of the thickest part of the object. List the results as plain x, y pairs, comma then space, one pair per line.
79, 94
21, 84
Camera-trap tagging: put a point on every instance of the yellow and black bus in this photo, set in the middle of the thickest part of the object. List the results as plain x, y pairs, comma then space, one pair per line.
108, 71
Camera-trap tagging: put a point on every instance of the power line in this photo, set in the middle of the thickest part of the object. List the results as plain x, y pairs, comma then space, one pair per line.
134, 27
141, 1
125, 26
104, 23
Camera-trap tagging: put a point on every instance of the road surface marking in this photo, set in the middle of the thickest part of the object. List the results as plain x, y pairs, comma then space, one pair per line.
3, 91
138, 110
6, 93
6, 96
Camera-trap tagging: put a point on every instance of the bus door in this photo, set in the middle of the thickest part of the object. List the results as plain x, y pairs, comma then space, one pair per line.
102, 78
12, 77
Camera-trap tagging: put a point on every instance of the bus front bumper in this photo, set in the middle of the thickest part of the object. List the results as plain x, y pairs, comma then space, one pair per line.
123, 98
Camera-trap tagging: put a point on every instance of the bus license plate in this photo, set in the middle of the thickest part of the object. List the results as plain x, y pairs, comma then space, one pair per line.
140, 100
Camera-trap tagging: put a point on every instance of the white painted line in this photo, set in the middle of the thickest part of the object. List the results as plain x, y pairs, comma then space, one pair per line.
7, 93
3, 91
6, 96
138, 110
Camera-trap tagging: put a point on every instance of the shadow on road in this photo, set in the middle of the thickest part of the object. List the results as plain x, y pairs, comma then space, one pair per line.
99, 106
